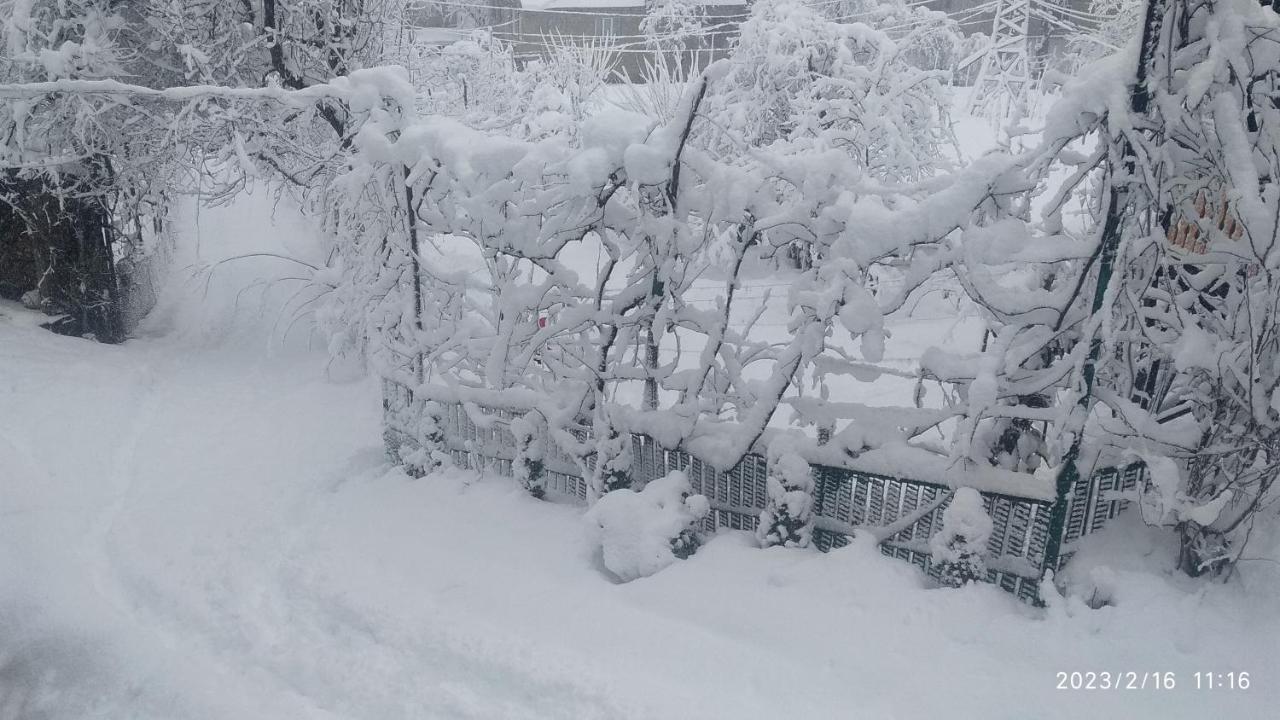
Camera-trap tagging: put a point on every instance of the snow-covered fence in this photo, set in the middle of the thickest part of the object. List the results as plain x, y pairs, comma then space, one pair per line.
902, 513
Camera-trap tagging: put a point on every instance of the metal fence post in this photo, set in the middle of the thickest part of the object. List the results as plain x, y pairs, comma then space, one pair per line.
1117, 205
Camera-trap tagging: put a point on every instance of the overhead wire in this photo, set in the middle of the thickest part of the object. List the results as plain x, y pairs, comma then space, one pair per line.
727, 25
603, 13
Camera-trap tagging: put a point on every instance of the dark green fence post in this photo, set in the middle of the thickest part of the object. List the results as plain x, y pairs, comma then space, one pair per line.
1111, 230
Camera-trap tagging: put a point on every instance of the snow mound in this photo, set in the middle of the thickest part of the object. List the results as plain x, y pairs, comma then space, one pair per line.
640, 533
1128, 561
966, 516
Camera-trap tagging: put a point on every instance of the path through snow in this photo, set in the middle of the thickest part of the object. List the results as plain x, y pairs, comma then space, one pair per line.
169, 562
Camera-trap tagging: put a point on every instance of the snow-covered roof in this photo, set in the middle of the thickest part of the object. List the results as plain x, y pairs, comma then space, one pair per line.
604, 4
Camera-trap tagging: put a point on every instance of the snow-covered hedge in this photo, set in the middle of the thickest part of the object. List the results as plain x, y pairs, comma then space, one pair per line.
640, 533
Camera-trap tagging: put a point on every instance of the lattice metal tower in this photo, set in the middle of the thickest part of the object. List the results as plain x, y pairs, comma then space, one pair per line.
1004, 78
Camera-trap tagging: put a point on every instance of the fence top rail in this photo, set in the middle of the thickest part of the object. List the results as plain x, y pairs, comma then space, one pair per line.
920, 467
901, 463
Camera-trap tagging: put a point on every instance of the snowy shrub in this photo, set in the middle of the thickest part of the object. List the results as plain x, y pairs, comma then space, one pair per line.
640, 533
929, 39
787, 519
799, 78
612, 461
660, 213
672, 25
528, 467
549, 114
957, 549
431, 430
431, 452
473, 80
553, 93
478, 82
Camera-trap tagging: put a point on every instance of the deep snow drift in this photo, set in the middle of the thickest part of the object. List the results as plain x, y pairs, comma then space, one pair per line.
199, 524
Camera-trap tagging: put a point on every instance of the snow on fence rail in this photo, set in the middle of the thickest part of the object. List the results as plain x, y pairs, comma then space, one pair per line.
901, 513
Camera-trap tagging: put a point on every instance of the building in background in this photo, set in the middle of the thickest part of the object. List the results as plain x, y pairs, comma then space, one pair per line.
534, 27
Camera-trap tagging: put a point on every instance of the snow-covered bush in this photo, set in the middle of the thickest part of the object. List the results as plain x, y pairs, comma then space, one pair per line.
528, 466
787, 519
554, 93
479, 82
672, 25
474, 80
660, 213
432, 452
612, 461
959, 548
549, 114
929, 38
640, 533
802, 79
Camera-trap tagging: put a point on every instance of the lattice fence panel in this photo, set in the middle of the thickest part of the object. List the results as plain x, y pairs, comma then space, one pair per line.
845, 498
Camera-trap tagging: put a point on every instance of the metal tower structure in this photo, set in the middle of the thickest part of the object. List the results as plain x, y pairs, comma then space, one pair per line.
1004, 77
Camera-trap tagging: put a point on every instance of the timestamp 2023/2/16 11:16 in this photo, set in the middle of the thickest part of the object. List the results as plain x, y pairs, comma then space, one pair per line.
1149, 680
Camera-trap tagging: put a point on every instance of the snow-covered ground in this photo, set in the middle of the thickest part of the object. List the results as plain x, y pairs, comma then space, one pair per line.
199, 524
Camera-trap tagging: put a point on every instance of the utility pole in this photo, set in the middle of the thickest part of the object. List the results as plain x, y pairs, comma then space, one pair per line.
1004, 78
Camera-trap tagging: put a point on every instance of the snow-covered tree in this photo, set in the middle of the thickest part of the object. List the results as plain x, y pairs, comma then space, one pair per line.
1144, 296
80, 172
164, 144
1116, 24
1204, 293
659, 212
958, 549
